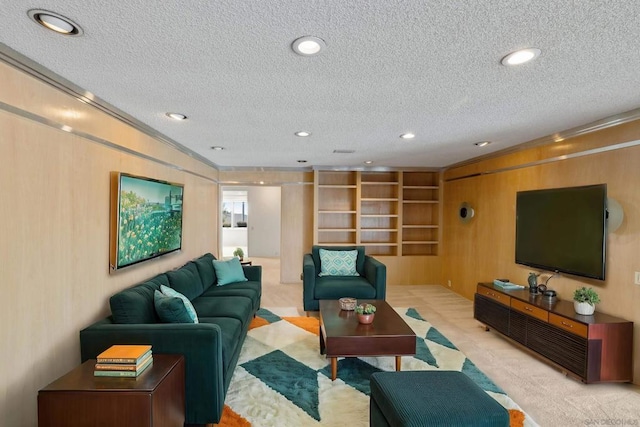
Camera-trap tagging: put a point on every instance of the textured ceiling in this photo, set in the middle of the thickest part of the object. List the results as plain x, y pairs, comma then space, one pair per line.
390, 66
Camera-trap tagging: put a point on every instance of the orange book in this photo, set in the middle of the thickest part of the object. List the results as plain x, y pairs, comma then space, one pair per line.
124, 366
124, 354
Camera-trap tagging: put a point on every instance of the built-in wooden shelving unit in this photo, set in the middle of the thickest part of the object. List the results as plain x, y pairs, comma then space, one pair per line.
391, 213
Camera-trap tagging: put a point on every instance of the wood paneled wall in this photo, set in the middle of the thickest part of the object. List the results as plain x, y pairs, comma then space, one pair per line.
484, 248
54, 223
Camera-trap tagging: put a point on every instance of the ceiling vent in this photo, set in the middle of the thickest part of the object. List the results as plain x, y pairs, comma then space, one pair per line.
344, 151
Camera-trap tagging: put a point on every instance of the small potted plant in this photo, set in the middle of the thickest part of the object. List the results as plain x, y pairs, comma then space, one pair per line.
365, 313
239, 253
585, 300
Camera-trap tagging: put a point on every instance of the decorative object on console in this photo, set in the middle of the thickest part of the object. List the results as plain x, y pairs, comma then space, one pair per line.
366, 313
347, 303
239, 253
585, 300
533, 282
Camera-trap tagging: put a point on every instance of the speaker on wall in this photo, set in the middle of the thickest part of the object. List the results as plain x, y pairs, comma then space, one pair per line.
465, 212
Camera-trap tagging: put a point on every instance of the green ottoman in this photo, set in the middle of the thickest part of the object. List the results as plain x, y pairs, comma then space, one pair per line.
431, 398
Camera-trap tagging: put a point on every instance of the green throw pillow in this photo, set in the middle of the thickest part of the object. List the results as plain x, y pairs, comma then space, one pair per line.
338, 263
170, 309
187, 304
229, 271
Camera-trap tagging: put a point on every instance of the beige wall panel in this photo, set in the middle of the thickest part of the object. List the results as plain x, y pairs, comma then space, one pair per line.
268, 177
296, 230
54, 225
29, 94
614, 135
412, 270
484, 248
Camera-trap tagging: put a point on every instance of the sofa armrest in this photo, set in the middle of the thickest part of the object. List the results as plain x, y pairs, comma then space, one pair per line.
253, 272
308, 282
201, 345
376, 273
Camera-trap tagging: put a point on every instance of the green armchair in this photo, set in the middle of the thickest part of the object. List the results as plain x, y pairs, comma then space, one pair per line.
371, 282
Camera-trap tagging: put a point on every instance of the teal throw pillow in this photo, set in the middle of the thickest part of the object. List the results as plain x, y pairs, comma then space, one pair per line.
338, 263
229, 271
187, 304
170, 309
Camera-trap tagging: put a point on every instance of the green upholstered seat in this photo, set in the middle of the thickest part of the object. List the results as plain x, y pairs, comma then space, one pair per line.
371, 282
432, 398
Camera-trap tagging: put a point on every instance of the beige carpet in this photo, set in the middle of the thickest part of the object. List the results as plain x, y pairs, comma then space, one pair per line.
543, 392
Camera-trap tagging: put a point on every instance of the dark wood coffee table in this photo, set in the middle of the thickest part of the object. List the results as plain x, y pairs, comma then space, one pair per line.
341, 335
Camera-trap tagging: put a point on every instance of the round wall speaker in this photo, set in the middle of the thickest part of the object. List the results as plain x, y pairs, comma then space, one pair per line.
465, 212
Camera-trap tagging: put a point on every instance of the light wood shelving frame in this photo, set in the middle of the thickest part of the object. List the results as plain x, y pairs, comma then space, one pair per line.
391, 213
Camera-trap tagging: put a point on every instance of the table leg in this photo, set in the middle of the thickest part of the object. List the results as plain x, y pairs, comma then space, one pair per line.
398, 363
334, 368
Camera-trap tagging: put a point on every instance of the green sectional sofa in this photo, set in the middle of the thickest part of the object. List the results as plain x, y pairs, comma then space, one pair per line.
211, 347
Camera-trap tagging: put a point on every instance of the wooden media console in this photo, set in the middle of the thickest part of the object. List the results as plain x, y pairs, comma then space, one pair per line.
595, 348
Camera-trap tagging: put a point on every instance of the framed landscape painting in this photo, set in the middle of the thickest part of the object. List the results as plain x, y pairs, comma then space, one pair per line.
146, 219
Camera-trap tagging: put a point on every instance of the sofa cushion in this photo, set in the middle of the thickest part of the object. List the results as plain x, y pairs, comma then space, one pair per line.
187, 304
249, 289
229, 271
338, 263
231, 333
237, 307
186, 280
347, 286
315, 254
170, 309
206, 270
135, 305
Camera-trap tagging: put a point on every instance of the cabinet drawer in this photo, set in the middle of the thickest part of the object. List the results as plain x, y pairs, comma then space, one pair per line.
531, 310
568, 325
494, 295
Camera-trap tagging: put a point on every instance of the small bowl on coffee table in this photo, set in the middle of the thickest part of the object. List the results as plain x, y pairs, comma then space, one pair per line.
348, 303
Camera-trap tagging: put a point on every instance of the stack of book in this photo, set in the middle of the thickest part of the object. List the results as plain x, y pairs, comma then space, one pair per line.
123, 361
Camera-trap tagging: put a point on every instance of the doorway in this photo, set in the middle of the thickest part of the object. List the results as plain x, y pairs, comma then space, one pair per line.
251, 217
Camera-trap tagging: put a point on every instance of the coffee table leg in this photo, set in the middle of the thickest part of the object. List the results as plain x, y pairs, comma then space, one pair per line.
334, 368
398, 363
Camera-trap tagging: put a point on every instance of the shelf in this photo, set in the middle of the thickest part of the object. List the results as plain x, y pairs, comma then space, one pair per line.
335, 230
420, 187
378, 183
337, 186
418, 242
421, 201
389, 230
379, 244
381, 199
336, 212
337, 243
379, 215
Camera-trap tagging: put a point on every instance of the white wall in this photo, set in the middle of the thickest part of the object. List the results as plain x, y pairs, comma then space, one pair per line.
264, 221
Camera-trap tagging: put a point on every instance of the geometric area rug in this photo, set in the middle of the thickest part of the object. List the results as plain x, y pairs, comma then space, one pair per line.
282, 379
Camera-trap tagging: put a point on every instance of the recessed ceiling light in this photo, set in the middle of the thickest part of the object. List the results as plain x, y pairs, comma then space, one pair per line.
308, 45
217, 148
368, 162
521, 56
177, 116
408, 135
55, 22
303, 133
482, 143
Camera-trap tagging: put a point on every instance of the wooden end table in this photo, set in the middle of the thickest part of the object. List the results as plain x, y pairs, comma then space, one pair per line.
341, 335
154, 398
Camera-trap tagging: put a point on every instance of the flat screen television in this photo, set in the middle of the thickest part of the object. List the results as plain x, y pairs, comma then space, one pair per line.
563, 230
146, 219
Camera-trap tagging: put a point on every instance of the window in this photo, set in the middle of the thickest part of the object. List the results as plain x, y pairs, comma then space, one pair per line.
234, 209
